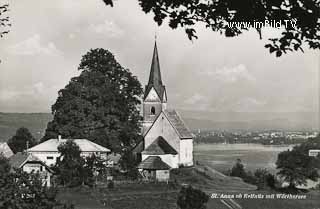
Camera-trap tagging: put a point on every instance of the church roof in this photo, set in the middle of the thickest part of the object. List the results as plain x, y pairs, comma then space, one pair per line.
159, 147
51, 145
177, 122
5, 150
153, 163
155, 80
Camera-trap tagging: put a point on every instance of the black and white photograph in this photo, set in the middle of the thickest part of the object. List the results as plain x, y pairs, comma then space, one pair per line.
160, 104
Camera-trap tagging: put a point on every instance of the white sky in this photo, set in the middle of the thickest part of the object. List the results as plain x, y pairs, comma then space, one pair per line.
213, 73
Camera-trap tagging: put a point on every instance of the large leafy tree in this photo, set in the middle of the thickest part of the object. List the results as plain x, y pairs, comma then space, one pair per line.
218, 14
296, 166
101, 104
21, 140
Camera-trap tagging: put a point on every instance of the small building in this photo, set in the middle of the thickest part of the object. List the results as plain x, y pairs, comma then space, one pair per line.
154, 169
48, 151
30, 163
314, 152
5, 150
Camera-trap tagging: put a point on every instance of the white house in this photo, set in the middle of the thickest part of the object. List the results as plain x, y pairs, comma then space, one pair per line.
29, 163
165, 134
48, 151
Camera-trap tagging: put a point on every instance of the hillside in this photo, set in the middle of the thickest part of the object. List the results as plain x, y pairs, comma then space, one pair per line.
35, 122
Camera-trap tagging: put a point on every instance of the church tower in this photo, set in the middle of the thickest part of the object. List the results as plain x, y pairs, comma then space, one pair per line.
155, 96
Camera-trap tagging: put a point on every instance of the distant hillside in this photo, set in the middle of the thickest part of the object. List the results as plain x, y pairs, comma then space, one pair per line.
251, 120
35, 122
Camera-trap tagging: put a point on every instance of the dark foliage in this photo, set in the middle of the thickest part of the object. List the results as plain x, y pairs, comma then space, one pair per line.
19, 189
74, 170
190, 198
238, 170
21, 140
296, 166
71, 169
4, 20
264, 179
101, 104
216, 15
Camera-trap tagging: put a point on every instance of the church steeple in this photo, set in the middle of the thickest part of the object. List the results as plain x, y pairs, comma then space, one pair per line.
155, 80
155, 97
155, 74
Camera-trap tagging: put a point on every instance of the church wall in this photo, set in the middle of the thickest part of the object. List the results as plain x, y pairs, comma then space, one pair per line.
171, 160
186, 152
162, 127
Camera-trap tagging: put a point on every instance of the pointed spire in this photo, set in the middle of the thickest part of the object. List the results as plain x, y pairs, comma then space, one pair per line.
155, 80
155, 74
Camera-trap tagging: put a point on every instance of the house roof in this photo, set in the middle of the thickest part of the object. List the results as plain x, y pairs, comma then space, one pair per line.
155, 80
159, 147
20, 158
5, 150
153, 163
51, 145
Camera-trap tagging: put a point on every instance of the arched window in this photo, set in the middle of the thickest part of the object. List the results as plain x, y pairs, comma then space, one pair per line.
153, 111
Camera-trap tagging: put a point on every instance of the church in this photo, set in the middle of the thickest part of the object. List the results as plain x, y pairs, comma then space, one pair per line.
168, 143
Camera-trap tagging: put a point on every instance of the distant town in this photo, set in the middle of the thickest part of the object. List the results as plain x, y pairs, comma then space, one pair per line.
271, 137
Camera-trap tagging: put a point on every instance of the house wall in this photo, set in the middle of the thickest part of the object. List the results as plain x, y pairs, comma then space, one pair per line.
38, 167
50, 158
162, 127
186, 152
171, 160
163, 175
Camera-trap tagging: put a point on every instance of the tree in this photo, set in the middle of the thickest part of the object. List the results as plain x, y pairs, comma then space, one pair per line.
264, 179
301, 17
4, 20
19, 189
190, 198
238, 170
101, 104
21, 140
296, 167
71, 169
4, 165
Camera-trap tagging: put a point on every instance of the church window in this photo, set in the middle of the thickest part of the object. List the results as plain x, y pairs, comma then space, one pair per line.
153, 111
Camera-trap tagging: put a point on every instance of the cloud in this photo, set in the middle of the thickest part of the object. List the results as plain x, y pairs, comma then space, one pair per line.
249, 104
107, 28
33, 46
197, 101
231, 74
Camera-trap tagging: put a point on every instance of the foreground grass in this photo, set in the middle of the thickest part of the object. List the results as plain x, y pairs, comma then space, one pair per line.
164, 196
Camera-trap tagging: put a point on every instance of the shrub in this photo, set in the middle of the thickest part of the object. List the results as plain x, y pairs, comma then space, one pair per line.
190, 198
110, 185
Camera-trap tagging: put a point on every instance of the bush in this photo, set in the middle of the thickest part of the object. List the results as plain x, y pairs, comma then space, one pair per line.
190, 198
110, 185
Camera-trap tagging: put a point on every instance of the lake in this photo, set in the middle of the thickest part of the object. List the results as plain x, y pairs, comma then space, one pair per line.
223, 156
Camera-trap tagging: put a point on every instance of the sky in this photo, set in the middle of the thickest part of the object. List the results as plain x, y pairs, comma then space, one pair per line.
213, 73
